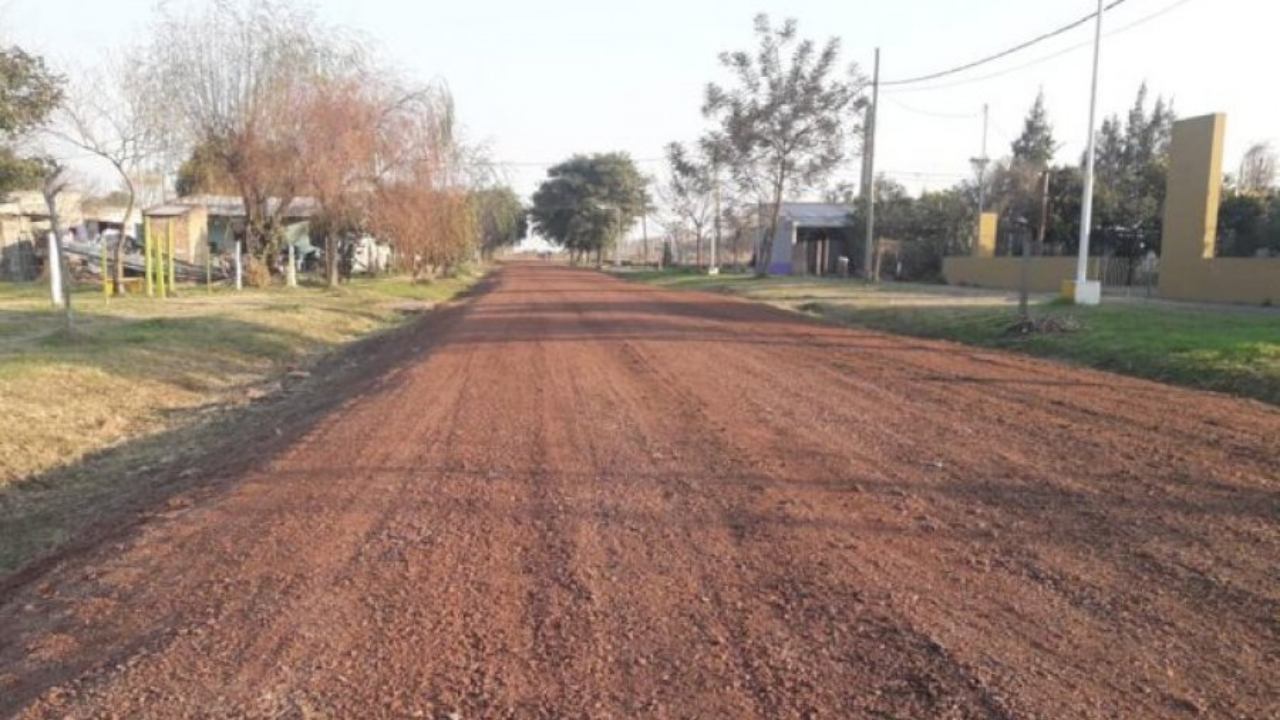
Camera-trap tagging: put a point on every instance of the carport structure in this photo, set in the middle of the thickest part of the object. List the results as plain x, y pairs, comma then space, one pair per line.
811, 239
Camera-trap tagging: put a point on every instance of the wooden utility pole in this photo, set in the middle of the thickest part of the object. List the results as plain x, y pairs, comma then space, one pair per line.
869, 176
1024, 290
714, 268
1044, 209
644, 231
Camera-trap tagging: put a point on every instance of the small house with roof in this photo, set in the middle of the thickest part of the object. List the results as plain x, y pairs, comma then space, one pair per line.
811, 239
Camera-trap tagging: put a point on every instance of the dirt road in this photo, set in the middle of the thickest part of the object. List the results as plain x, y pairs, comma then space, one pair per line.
581, 498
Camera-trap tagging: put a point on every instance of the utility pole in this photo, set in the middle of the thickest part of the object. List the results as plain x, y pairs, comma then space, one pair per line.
869, 176
980, 164
1024, 289
644, 230
1044, 210
1092, 295
714, 268
617, 245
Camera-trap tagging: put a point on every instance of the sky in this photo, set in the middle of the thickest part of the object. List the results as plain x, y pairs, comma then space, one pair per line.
539, 81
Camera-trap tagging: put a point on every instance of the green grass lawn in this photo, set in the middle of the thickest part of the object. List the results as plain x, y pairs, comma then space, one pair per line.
1233, 350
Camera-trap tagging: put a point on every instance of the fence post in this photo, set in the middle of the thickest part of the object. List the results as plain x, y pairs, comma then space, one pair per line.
239, 269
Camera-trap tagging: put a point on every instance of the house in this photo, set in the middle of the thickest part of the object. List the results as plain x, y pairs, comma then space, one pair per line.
811, 239
24, 223
101, 217
226, 219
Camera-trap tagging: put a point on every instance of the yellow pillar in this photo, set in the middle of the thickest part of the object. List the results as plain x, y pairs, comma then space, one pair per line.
102, 261
208, 263
1192, 195
173, 277
160, 273
985, 247
148, 244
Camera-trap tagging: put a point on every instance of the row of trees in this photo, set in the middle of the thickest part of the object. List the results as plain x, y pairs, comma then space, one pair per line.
782, 125
791, 116
1038, 201
271, 105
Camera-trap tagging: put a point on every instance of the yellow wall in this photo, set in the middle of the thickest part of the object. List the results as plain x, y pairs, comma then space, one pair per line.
1047, 273
1188, 268
1253, 281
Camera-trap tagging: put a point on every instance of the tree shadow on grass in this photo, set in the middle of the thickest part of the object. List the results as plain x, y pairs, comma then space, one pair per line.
66, 511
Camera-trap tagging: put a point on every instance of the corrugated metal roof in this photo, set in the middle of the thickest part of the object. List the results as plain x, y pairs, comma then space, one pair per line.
168, 211
817, 212
233, 206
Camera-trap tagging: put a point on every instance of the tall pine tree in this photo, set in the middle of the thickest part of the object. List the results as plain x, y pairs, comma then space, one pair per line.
1035, 146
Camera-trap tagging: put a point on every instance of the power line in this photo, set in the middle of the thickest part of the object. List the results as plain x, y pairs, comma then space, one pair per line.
538, 163
1053, 56
934, 114
1003, 53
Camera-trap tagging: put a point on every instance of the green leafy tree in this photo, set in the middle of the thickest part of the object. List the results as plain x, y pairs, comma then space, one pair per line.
203, 172
588, 201
29, 93
500, 217
1248, 222
786, 120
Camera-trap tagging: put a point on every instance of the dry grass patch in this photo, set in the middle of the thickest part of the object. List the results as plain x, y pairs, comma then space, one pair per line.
137, 366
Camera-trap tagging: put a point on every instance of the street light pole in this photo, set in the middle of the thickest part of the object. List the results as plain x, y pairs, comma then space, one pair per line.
869, 175
1086, 293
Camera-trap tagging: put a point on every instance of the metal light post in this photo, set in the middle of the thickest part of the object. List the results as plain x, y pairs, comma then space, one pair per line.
1085, 292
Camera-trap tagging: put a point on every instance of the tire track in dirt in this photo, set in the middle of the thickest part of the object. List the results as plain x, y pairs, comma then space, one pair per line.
590, 499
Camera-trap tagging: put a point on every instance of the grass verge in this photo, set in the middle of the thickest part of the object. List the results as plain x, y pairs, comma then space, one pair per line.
1231, 350
142, 380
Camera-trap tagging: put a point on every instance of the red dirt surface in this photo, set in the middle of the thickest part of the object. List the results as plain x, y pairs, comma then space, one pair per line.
581, 498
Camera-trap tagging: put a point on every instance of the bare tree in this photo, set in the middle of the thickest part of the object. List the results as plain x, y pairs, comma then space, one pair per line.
338, 158
106, 116
422, 198
688, 195
1257, 169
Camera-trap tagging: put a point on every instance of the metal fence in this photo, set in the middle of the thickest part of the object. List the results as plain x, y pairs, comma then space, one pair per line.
1130, 275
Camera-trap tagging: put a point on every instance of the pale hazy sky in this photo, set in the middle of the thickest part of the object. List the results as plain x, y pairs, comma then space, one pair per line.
541, 80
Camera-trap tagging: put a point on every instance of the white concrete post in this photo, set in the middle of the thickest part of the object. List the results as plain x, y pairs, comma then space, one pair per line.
55, 273
291, 274
239, 269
